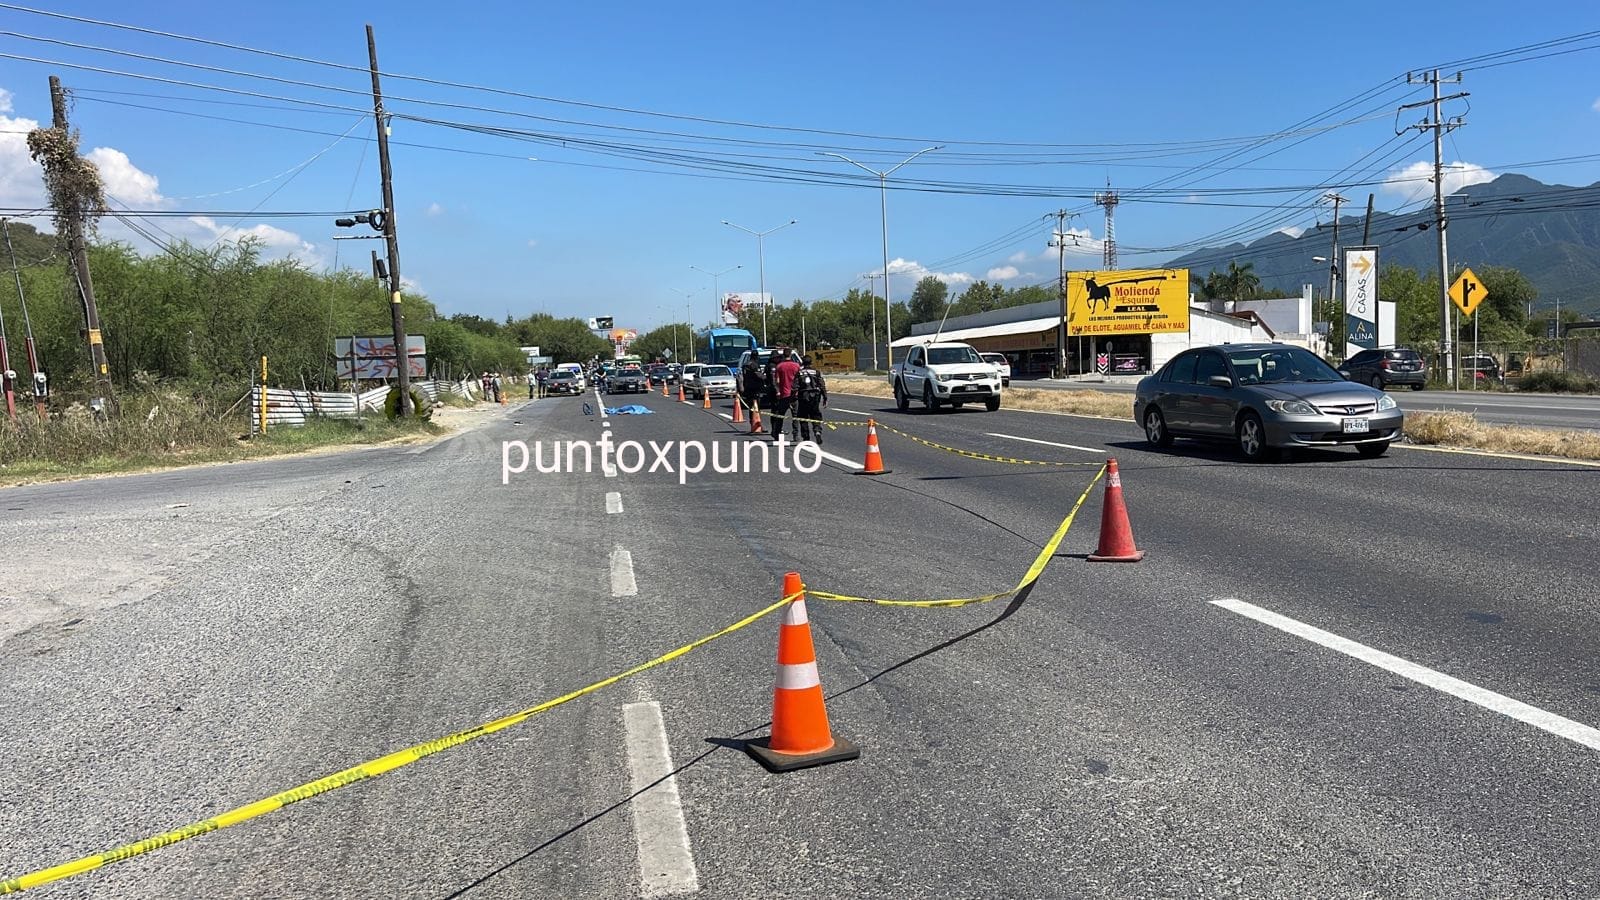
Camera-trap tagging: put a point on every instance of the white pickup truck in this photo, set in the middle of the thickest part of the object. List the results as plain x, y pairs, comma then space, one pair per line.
940, 373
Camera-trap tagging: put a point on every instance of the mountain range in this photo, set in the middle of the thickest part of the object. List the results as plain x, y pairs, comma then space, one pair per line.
1549, 232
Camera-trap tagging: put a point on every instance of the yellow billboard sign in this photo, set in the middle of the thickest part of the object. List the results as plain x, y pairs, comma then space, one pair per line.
1128, 301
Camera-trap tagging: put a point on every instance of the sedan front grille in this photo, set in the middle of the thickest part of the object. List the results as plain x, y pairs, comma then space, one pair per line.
1348, 409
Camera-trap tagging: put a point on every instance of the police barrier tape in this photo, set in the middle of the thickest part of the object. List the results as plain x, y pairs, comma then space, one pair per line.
1032, 575
399, 758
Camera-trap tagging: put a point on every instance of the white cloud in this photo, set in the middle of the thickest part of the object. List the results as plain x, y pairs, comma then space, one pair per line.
5, 100
533, 242
268, 236
130, 185
411, 285
910, 268
1003, 273
434, 209
1017, 257
1080, 242
1415, 182
8, 103
1293, 231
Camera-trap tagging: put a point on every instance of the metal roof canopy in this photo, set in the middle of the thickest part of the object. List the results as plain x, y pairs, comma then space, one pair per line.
1026, 326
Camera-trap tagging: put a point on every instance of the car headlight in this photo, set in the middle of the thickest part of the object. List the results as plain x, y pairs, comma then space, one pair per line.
1292, 407
938, 377
1386, 403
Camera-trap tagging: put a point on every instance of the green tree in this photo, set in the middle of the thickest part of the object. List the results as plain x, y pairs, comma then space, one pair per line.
928, 299
980, 296
659, 343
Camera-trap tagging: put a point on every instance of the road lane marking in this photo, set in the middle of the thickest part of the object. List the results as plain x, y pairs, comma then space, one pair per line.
1013, 437
622, 580
1577, 732
839, 459
666, 864
613, 503
726, 416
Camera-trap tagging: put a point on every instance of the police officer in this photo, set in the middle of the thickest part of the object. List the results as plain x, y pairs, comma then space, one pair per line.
811, 395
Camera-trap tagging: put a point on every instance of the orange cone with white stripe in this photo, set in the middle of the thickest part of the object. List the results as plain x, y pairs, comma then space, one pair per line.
873, 464
680, 392
738, 411
1116, 535
800, 737
755, 419
705, 399
664, 387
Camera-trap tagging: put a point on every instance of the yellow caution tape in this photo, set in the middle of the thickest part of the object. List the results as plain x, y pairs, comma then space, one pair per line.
1032, 575
349, 776
973, 454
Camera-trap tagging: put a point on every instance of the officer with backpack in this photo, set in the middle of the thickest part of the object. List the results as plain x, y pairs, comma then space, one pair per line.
811, 395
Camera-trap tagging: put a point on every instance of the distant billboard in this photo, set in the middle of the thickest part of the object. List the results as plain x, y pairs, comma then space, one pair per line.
1128, 301
734, 305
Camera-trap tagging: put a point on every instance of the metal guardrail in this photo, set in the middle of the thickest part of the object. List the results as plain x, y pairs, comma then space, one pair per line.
291, 409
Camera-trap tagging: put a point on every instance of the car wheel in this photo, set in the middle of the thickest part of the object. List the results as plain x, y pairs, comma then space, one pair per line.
928, 399
1373, 451
992, 404
1377, 382
901, 401
1416, 387
1155, 427
1253, 439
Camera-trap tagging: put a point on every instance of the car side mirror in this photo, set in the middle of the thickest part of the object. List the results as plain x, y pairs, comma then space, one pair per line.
1344, 373
1220, 381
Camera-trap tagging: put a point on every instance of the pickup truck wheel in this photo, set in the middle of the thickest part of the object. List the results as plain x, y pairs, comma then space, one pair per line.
901, 401
928, 399
992, 404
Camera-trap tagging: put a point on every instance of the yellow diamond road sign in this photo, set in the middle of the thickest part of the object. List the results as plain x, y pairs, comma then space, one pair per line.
1468, 292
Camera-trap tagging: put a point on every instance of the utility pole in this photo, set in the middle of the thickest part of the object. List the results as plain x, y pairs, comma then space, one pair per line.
1061, 216
872, 298
8, 378
396, 315
1366, 227
1333, 254
80, 261
1439, 126
34, 372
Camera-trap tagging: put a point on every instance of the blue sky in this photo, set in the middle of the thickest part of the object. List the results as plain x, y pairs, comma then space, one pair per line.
499, 233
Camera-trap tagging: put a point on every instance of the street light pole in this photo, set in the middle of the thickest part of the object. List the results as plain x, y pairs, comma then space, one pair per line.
883, 191
761, 258
716, 288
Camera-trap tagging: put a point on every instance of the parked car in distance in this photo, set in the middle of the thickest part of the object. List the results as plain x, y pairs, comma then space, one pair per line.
1000, 362
1482, 369
563, 381
763, 357
948, 372
686, 375
659, 374
1383, 368
1264, 398
717, 381
627, 380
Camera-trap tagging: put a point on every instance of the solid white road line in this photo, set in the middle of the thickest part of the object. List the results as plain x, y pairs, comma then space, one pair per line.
622, 580
853, 412
613, 503
1559, 726
1013, 437
839, 459
666, 864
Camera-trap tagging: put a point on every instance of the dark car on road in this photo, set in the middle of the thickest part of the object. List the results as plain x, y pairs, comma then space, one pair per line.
627, 380
1385, 368
563, 381
1264, 398
1482, 369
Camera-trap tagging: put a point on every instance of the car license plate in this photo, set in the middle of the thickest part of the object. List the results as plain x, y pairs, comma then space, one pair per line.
1356, 426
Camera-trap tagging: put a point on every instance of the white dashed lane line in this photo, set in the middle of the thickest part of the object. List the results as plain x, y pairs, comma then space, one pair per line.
666, 864
1577, 732
613, 503
1013, 437
623, 583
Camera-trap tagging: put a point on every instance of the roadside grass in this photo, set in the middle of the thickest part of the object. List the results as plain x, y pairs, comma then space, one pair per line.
162, 429
1442, 429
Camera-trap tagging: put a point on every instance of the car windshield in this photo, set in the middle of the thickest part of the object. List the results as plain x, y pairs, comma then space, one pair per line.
715, 370
948, 356
1279, 365
561, 376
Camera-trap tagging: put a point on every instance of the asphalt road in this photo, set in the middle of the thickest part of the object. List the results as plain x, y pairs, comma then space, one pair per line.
1121, 731
1495, 407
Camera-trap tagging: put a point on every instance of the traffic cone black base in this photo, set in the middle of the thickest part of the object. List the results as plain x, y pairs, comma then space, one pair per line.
775, 762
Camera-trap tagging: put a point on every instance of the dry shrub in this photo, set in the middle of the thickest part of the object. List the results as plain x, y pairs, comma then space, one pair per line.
1084, 403
1459, 429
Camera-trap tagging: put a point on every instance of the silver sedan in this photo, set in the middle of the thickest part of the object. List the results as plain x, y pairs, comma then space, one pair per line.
1264, 397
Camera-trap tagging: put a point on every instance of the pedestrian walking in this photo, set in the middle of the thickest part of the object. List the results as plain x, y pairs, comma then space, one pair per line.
783, 378
811, 395
494, 384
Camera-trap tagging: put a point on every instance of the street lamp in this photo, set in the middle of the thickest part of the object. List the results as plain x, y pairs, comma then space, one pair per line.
761, 259
883, 189
688, 321
716, 288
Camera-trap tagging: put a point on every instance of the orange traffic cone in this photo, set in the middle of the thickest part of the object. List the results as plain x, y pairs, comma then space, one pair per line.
874, 461
738, 411
705, 399
1116, 535
663, 387
755, 419
680, 392
800, 734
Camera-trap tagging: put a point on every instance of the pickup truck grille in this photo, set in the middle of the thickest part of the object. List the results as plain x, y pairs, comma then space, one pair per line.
970, 376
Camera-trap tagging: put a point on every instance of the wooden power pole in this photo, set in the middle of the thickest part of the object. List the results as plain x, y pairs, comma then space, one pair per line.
402, 359
79, 252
